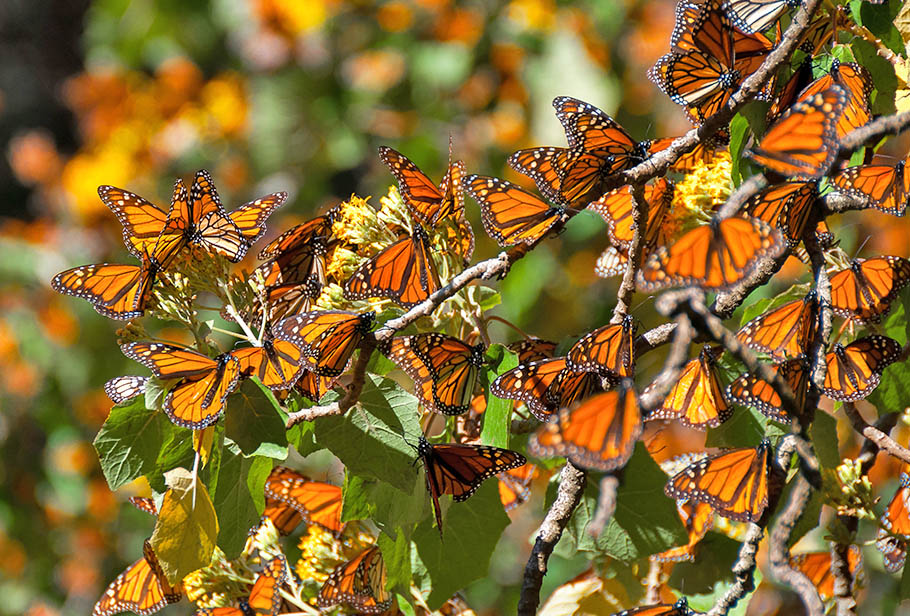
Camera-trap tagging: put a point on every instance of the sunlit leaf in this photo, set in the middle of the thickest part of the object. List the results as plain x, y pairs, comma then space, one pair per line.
251, 421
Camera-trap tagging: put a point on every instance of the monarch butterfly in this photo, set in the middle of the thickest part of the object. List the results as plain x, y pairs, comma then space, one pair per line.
802, 143
115, 291
757, 15
752, 390
592, 130
142, 588
884, 187
318, 502
784, 331
786, 206
511, 215
443, 368
428, 204
708, 60
198, 219
598, 434
404, 272
460, 469
515, 485
264, 598
326, 338
276, 363
857, 84
698, 519
786, 97
198, 398
819, 33
817, 567
856, 369
617, 207
680, 608
532, 349
301, 235
714, 256
145, 504
284, 300
895, 521
737, 482
697, 399
545, 386
284, 517
297, 265
864, 291
360, 583
607, 350
122, 388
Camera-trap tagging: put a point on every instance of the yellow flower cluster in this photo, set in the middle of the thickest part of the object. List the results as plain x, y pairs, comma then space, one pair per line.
700, 193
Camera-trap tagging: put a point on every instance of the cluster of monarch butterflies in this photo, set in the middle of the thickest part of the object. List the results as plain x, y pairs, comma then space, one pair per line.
586, 398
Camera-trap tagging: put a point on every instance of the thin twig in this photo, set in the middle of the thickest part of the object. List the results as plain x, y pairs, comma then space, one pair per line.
744, 570
606, 505
876, 435
571, 486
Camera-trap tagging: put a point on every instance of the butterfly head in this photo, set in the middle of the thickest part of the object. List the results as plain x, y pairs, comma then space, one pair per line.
682, 605
366, 321
477, 355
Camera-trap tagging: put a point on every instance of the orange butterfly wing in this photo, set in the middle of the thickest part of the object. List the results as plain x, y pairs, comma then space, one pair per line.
403, 272
317, 502
598, 434
698, 518
198, 398
115, 291
360, 583
680, 608
884, 187
616, 208
301, 235
250, 217
697, 399
736, 483
607, 350
276, 363
817, 567
784, 331
786, 206
864, 291
142, 589
802, 143
208, 225
532, 349
895, 521
515, 485
510, 215
857, 83
754, 391
714, 256
142, 221
545, 386
327, 338
855, 370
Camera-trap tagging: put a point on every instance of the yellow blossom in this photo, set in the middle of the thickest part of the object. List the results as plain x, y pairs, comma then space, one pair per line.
701, 192
319, 554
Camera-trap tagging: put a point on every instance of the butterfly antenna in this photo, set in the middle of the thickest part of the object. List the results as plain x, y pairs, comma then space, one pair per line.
508, 324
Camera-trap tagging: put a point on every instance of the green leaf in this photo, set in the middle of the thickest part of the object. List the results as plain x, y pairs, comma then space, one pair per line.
808, 520
130, 440
303, 437
879, 19
903, 588
472, 531
380, 364
251, 421
646, 520
185, 532
745, 428
883, 75
893, 393
176, 451
739, 132
397, 556
498, 415
823, 433
369, 439
710, 573
393, 511
238, 496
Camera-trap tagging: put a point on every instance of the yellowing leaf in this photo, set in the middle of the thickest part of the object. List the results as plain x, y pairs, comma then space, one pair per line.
202, 443
187, 527
585, 594
902, 22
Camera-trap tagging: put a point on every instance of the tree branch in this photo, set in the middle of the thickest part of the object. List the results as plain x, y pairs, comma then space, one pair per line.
875, 434
571, 486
